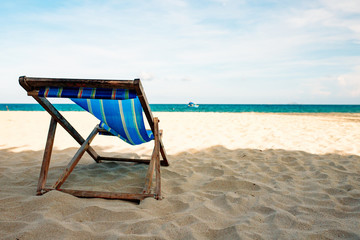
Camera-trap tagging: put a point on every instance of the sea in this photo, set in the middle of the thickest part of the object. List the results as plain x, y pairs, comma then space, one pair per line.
264, 108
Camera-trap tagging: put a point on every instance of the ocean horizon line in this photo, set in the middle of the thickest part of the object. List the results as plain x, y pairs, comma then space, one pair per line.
162, 107
4, 103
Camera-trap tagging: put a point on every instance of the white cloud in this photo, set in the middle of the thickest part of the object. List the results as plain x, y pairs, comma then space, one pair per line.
321, 92
350, 83
343, 87
347, 6
319, 87
146, 76
310, 17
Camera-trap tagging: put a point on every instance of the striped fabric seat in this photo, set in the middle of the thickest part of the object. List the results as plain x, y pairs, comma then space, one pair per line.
92, 93
122, 118
119, 110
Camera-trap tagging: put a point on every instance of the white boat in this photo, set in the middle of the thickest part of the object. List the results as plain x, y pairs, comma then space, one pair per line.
193, 105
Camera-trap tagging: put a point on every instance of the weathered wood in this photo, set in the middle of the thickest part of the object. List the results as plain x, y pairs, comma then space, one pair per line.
36, 83
64, 123
157, 159
132, 160
104, 132
154, 158
158, 180
74, 161
146, 107
144, 102
23, 83
106, 195
46, 158
33, 93
150, 173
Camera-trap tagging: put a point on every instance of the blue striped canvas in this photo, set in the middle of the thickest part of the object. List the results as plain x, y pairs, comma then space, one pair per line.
83, 92
123, 118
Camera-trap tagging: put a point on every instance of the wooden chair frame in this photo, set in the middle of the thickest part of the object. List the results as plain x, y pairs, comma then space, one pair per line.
33, 85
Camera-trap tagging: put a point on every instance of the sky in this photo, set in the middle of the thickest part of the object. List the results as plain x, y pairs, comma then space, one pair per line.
215, 51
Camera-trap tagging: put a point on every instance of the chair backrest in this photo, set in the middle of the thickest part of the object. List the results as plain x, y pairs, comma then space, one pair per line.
118, 104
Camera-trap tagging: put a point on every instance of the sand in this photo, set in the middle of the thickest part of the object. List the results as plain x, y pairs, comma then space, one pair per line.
231, 176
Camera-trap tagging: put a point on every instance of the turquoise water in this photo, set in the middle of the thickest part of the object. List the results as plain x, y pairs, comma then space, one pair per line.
276, 108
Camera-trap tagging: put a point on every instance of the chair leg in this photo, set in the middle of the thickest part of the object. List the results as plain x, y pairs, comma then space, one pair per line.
157, 159
149, 174
74, 161
154, 164
46, 158
158, 179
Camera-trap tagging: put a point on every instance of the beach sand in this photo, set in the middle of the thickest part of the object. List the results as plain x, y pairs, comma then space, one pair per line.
231, 176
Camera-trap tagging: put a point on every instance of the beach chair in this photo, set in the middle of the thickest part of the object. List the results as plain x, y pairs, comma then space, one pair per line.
119, 105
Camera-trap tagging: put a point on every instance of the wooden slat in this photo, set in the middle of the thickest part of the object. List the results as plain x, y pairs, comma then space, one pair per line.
24, 84
150, 173
106, 195
115, 159
157, 159
46, 158
37, 82
133, 160
104, 132
33, 93
74, 161
144, 102
154, 158
65, 124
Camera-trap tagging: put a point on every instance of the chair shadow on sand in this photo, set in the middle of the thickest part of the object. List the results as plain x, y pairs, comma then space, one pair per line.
214, 193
